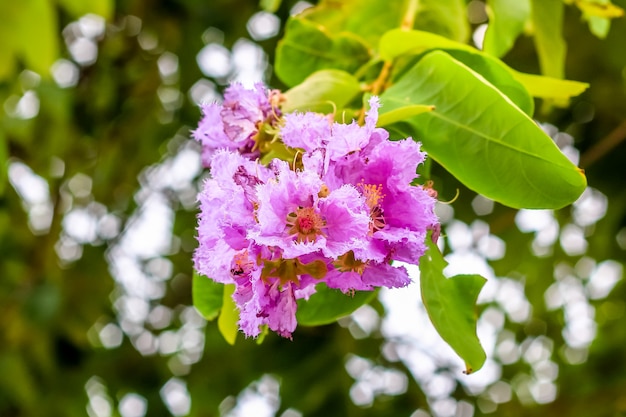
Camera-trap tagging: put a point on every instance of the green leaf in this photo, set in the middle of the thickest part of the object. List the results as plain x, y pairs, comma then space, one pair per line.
499, 75
400, 42
599, 26
38, 35
227, 321
308, 47
599, 8
28, 31
4, 156
328, 304
403, 113
367, 19
481, 138
207, 296
370, 19
548, 87
7, 61
547, 18
396, 43
270, 6
323, 91
506, 22
598, 14
78, 8
451, 306
447, 18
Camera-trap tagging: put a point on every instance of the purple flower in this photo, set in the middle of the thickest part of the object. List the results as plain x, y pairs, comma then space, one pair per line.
243, 110
226, 213
210, 132
352, 137
308, 131
237, 124
340, 217
350, 274
300, 216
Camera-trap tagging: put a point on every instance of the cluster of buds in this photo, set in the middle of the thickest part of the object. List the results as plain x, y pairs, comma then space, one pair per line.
338, 212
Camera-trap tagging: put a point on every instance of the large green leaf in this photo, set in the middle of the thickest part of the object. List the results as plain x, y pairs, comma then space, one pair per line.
38, 35
444, 17
367, 19
227, 321
548, 87
598, 14
547, 18
7, 62
396, 43
29, 30
403, 113
506, 22
207, 296
451, 306
4, 156
308, 47
399, 42
499, 75
327, 305
370, 19
323, 91
477, 134
78, 8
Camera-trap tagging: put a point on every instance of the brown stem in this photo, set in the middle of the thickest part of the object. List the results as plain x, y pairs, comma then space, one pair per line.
603, 147
409, 15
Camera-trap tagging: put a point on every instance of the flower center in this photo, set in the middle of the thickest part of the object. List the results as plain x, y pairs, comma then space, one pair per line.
305, 224
242, 264
373, 197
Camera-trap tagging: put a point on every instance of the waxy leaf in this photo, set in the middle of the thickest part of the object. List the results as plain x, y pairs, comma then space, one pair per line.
599, 8
370, 19
366, 19
598, 14
506, 22
397, 43
547, 18
4, 155
328, 304
227, 321
34, 40
308, 47
403, 113
447, 18
400, 42
451, 306
78, 8
479, 136
548, 87
207, 296
270, 6
323, 91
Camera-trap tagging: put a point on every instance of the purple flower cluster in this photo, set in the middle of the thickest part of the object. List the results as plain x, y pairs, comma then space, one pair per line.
339, 213
238, 123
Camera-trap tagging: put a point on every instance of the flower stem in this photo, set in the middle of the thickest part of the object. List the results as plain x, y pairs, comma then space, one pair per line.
379, 85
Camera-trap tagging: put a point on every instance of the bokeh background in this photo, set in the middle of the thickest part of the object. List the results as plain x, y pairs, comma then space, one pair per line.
98, 179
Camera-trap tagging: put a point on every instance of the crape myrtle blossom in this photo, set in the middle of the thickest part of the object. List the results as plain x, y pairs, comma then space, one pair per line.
339, 215
240, 123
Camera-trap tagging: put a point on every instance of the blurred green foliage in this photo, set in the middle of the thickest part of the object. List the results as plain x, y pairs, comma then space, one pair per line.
111, 122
